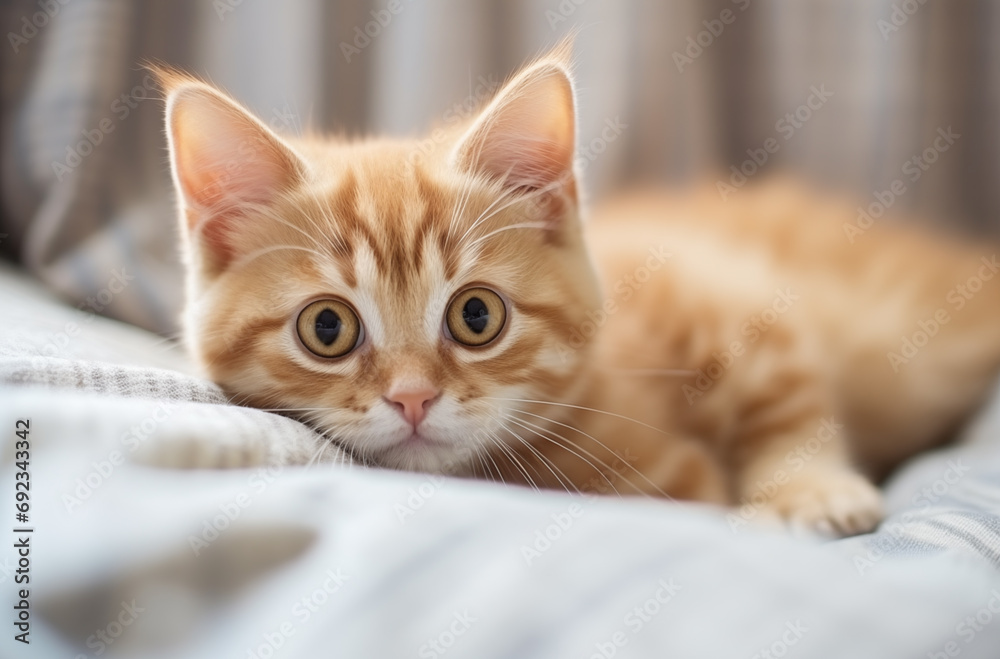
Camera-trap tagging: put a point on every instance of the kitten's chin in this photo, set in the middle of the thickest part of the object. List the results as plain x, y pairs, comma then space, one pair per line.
418, 454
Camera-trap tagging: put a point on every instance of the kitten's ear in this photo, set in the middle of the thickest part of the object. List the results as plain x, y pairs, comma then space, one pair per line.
224, 161
526, 136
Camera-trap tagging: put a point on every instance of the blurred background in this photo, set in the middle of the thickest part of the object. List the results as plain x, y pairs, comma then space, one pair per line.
670, 92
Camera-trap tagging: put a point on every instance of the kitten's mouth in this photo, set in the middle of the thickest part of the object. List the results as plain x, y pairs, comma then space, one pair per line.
417, 440
416, 452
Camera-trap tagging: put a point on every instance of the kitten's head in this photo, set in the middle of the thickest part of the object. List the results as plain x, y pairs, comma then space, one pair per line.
401, 296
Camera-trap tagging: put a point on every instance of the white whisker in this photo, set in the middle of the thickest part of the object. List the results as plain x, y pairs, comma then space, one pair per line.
538, 430
522, 225
548, 464
602, 445
586, 409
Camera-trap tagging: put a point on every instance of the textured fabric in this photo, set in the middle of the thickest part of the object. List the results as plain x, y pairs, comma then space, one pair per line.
132, 392
661, 99
944, 501
278, 546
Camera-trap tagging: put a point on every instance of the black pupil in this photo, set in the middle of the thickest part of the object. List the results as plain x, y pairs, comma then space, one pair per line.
476, 315
327, 326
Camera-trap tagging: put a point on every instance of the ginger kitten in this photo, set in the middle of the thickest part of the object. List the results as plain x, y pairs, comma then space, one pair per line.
443, 311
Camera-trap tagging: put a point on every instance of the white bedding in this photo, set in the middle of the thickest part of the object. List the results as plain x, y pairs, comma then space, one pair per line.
333, 560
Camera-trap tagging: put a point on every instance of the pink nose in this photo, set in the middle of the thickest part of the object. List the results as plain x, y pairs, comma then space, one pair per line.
413, 403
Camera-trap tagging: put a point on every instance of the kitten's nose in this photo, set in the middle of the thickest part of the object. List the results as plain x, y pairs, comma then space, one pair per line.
413, 402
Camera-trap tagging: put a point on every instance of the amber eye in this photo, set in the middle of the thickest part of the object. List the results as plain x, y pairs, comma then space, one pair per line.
476, 316
329, 328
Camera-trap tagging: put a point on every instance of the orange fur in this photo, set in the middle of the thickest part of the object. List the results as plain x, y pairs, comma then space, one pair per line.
710, 359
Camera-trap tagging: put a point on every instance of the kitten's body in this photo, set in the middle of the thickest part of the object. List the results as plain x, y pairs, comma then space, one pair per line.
764, 322
658, 384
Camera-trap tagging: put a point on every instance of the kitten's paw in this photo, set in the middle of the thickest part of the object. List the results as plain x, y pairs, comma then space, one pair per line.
833, 503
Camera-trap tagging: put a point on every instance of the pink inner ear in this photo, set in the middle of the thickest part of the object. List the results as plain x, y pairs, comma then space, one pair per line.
523, 162
526, 137
223, 158
223, 161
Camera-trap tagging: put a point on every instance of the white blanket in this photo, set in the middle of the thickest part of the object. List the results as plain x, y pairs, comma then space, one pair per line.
330, 559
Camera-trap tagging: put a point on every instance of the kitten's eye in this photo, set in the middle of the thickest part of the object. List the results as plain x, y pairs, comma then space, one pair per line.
329, 328
476, 316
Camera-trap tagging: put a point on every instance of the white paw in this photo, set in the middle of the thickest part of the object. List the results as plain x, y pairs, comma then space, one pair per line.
834, 503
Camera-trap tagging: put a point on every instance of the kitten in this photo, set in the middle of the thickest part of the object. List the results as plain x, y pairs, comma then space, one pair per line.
440, 309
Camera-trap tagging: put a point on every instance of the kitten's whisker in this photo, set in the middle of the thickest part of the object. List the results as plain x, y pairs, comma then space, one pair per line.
547, 463
168, 342
678, 372
512, 196
507, 198
486, 469
521, 225
268, 213
585, 409
465, 194
568, 447
335, 238
490, 456
512, 455
602, 445
483, 216
243, 261
328, 245
499, 472
237, 400
315, 456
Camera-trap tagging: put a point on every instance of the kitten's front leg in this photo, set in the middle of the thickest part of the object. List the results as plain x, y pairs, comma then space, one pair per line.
789, 453
804, 477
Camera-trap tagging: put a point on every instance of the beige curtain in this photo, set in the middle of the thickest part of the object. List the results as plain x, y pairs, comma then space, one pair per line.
681, 90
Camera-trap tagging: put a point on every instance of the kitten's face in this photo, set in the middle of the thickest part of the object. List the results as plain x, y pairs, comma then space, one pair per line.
404, 305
